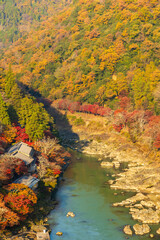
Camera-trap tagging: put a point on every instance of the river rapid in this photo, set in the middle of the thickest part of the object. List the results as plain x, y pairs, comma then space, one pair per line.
86, 192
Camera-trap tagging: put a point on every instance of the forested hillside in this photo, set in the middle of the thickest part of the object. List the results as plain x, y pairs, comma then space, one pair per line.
98, 57
23, 119
18, 108
93, 51
18, 17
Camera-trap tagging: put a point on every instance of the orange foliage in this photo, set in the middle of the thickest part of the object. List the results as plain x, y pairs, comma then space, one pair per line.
20, 199
8, 218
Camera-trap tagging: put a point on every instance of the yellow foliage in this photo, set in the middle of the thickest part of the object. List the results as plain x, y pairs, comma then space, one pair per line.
9, 134
133, 46
108, 58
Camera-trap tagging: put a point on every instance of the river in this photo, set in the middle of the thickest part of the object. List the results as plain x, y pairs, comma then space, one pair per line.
85, 192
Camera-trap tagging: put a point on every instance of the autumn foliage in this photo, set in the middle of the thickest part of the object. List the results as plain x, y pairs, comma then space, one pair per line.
103, 56
8, 218
11, 167
136, 122
64, 104
20, 199
109, 51
51, 161
21, 135
16, 204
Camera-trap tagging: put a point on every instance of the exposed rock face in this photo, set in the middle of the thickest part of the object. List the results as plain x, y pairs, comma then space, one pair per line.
158, 231
143, 178
145, 215
138, 205
107, 164
141, 229
127, 230
148, 204
70, 214
116, 164
110, 181
138, 212
131, 201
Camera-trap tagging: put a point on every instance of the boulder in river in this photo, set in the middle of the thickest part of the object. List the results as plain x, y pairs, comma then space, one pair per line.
151, 235
110, 181
70, 214
127, 230
158, 231
132, 200
145, 215
59, 233
141, 229
107, 164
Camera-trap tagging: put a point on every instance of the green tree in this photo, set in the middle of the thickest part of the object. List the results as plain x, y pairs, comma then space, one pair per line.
34, 118
4, 117
38, 122
16, 96
9, 82
25, 111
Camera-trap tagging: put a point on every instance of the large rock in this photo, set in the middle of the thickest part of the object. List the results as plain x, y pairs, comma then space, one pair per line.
141, 229
132, 200
116, 164
141, 178
110, 181
138, 205
158, 231
70, 214
107, 164
127, 230
59, 233
151, 235
145, 215
148, 204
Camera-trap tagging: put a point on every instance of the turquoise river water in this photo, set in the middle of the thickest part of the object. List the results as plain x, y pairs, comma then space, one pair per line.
85, 192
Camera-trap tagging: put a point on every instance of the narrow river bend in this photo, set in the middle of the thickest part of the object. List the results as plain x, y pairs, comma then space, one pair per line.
85, 192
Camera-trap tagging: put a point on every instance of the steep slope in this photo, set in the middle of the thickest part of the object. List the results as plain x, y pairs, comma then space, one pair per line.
17, 108
94, 51
18, 17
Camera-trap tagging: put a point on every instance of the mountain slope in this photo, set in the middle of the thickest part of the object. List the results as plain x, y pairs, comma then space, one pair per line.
18, 17
94, 51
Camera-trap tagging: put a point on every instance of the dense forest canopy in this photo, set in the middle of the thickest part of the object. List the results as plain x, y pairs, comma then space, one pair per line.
19, 108
91, 51
18, 17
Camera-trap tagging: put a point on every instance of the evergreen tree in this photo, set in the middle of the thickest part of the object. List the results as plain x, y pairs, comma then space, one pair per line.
34, 118
9, 82
12, 113
16, 96
38, 122
25, 111
4, 117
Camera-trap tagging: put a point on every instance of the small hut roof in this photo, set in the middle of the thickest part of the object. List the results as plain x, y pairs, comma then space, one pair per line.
43, 236
27, 180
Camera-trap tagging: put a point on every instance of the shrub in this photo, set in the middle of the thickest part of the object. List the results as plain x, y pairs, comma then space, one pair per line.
79, 122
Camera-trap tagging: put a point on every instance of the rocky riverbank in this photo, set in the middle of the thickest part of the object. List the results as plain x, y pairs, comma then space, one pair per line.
141, 176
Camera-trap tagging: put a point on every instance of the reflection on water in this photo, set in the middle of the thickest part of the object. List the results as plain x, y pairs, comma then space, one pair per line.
86, 193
